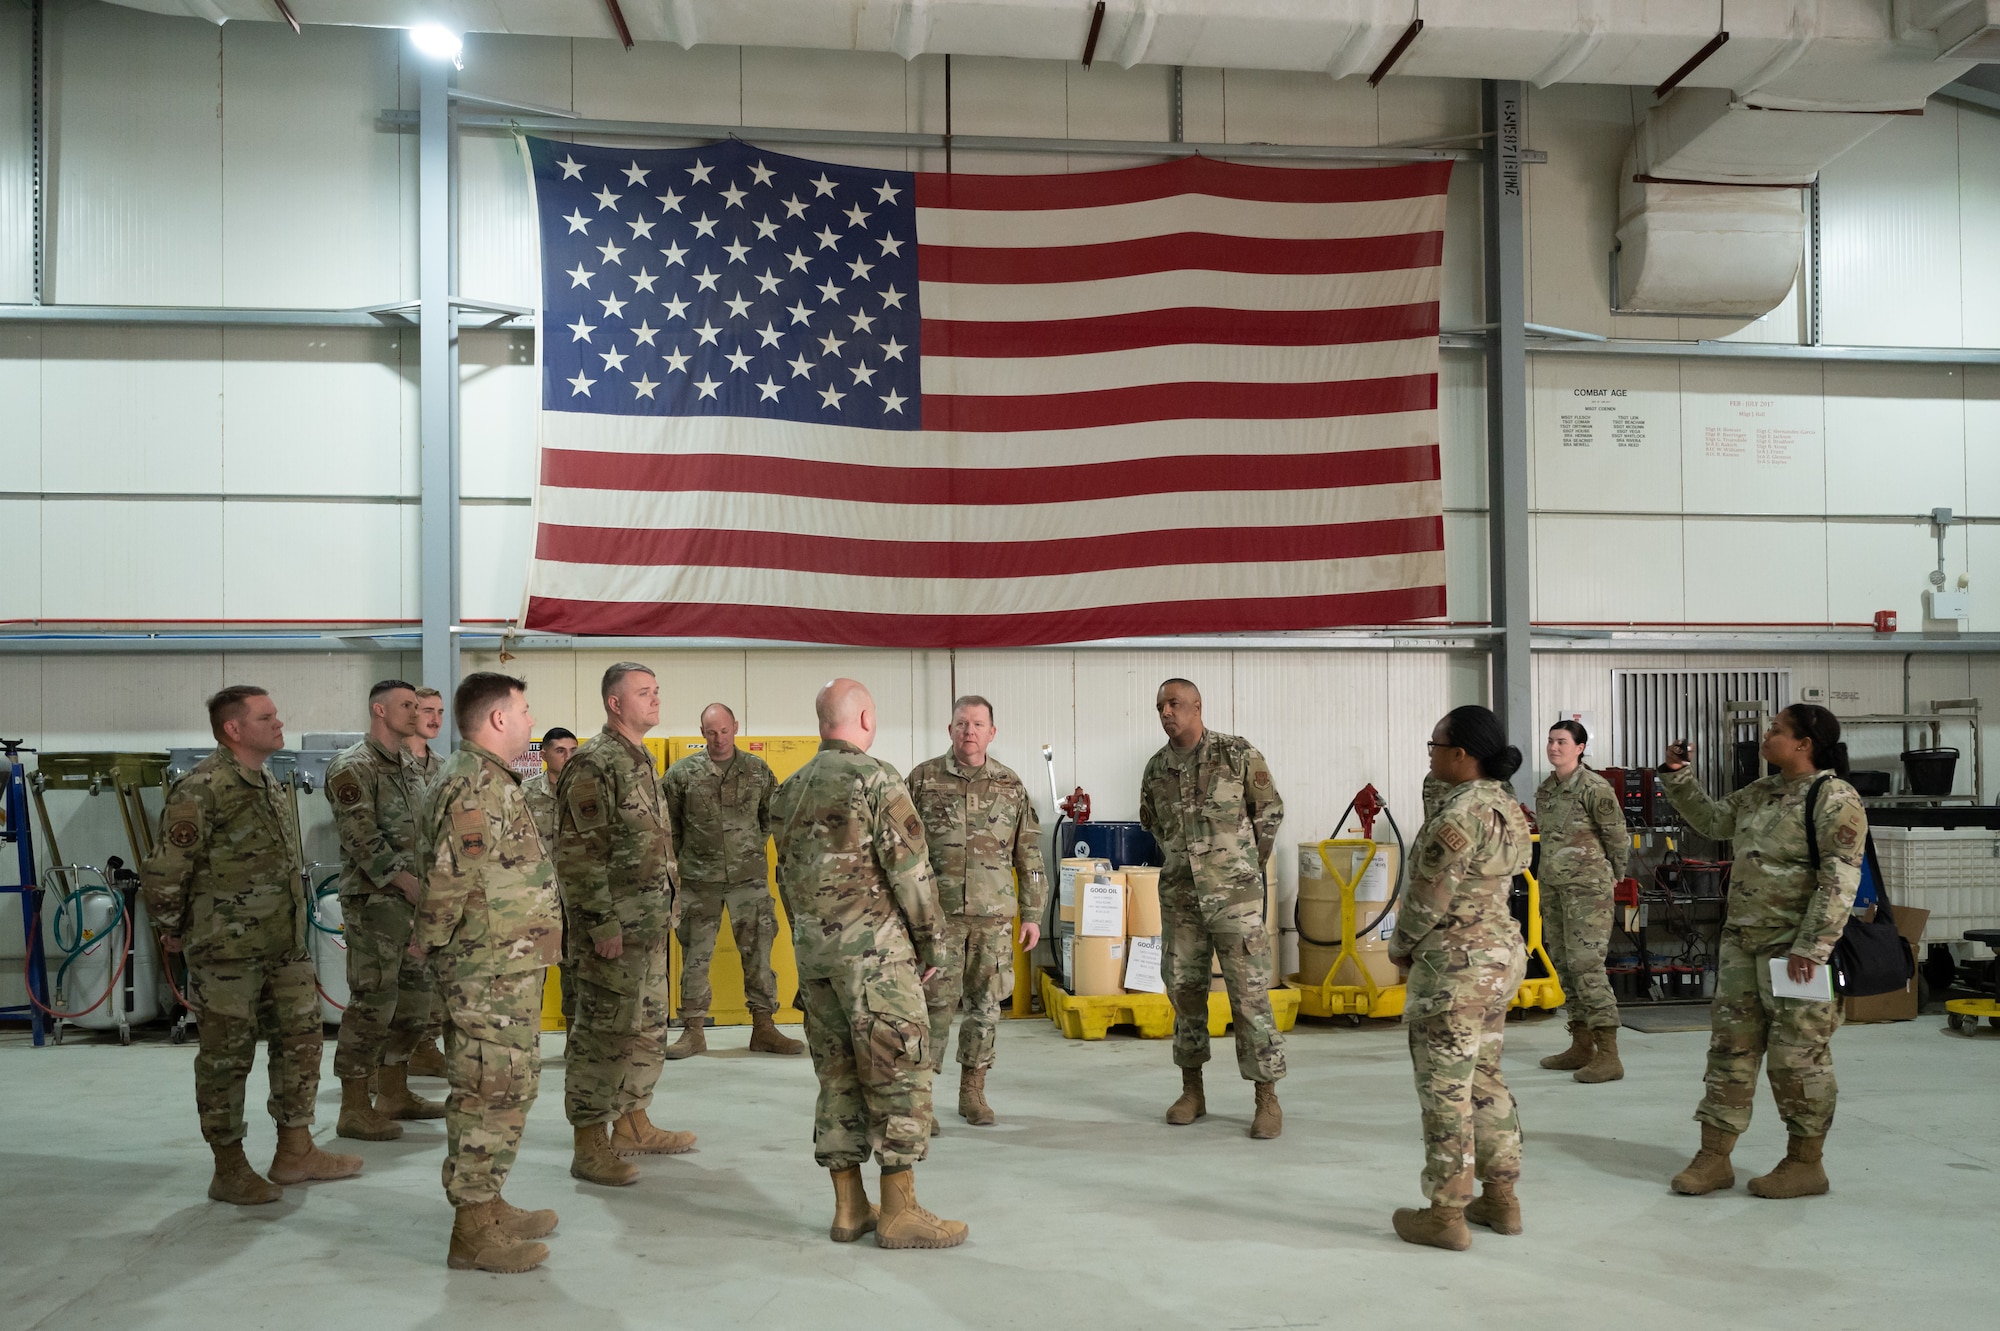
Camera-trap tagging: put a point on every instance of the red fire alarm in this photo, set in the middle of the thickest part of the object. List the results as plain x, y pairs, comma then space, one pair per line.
1885, 621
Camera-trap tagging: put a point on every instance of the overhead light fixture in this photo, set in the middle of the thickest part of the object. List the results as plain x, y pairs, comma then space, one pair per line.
439, 43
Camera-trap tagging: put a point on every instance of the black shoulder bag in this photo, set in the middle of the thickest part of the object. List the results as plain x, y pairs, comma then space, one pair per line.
1871, 957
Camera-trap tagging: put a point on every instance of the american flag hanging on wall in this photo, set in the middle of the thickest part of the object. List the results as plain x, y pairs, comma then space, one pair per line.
792, 400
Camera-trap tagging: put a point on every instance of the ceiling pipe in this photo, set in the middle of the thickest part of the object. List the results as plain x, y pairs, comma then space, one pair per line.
618, 21
1090, 41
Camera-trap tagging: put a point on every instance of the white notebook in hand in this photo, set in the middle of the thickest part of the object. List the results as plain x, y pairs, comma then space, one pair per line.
1819, 988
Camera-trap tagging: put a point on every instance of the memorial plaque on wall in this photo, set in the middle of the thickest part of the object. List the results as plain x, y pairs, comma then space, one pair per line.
1753, 438
1607, 434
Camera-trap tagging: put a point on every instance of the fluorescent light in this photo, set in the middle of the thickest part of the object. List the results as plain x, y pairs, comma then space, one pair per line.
440, 43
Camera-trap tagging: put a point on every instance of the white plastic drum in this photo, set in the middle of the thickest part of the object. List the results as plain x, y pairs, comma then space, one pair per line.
135, 999
328, 946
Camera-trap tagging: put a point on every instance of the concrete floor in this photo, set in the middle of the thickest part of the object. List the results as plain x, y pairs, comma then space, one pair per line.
1086, 1210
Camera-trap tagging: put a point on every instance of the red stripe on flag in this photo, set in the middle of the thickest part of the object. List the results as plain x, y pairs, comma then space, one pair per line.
1181, 401
1181, 251
675, 619
1191, 324
983, 486
1190, 175
709, 548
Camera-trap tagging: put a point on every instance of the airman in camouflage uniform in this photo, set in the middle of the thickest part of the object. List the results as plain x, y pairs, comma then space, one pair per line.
615, 861
490, 919
1778, 907
719, 802
856, 880
982, 832
1585, 845
1210, 802
226, 889
370, 787
426, 763
1465, 958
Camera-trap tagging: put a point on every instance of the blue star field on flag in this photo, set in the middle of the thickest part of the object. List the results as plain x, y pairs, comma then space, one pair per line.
727, 281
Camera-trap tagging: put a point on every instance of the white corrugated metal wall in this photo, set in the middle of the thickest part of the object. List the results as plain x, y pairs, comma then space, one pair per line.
271, 475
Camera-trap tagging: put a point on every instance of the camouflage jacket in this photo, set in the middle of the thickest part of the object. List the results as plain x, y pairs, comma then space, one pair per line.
425, 772
489, 903
1461, 870
1584, 837
542, 804
1437, 790
376, 808
1215, 812
227, 877
614, 851
853, 870
1775, 903
721, 818
982, 831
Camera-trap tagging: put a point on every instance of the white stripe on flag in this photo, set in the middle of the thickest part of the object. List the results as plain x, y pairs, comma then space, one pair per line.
1001, 302
742, 436
1038, 228
1015, 376
996, 596
1166, 514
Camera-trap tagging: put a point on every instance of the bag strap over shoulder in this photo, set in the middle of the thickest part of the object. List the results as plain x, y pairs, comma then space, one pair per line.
1885, 908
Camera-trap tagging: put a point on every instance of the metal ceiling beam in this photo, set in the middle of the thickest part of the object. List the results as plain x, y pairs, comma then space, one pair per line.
398, 317
1459, 639
863, 138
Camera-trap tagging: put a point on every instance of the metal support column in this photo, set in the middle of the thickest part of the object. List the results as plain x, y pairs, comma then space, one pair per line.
1504, 104
437, 341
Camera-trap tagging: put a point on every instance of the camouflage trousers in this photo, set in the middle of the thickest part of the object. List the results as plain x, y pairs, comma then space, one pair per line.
492, 1058
617, 1046
392, 998
1456, 1015
1576, 931
1242, 949
978, 968
238, 1003
869, 1036
753, 919
1746, 1024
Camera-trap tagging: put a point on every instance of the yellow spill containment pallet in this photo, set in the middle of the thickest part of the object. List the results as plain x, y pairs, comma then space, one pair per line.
1090, 1017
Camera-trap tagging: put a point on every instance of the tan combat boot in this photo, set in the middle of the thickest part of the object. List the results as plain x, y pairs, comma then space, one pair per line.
903, 1224
397, 1100
853, 1214
479, 1242
1709, 1170
519, 1224
1497, 1208
359, 1118
299, 1161
426, 1060
1192, 1104
1604, 1064
766, 1039
1582, 1044
1799, 1174
238, 1184
1269, 1120
972, 1106
1437, 1227
634, 1134
694, 1040
595, 1163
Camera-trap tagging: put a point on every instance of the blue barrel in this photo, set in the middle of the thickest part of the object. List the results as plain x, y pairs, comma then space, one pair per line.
1121, 843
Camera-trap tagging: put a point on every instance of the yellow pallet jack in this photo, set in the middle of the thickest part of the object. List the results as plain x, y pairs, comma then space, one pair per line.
1544, 991
1367, 999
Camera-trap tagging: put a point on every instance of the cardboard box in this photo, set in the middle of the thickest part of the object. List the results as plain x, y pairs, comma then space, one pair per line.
1142, 966
1901, 1005
1142, 901
1094, 965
